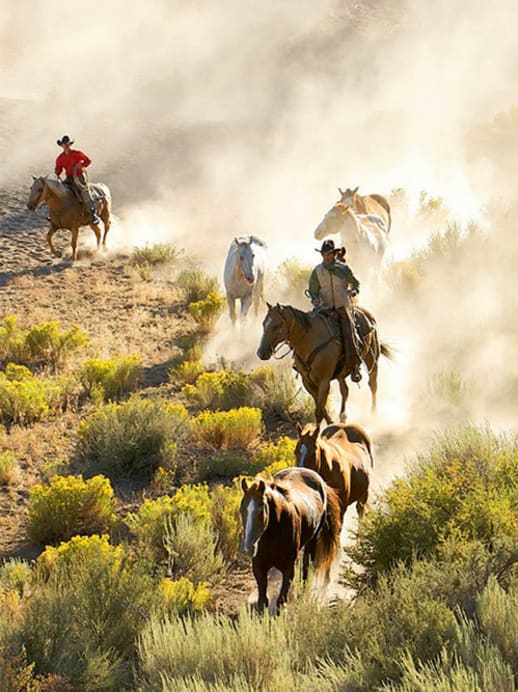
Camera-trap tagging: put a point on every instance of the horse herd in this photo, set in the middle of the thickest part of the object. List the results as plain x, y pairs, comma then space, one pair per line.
302, 508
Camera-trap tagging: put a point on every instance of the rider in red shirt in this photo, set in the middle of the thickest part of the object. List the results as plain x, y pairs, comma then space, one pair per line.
73, 162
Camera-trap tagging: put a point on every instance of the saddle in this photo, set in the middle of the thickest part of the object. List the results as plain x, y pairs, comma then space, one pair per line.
363, 319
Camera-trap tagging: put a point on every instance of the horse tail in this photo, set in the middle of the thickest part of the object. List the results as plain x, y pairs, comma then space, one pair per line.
387, 351
383, 202
328, 539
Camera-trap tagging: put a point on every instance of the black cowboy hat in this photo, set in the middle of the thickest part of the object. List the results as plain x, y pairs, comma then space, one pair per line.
328, 246
65, 140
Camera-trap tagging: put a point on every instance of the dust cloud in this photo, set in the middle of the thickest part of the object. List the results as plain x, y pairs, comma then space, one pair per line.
210, 120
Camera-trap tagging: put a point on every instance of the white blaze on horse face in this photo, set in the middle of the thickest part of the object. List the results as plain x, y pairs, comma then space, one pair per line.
249, 522
303, 452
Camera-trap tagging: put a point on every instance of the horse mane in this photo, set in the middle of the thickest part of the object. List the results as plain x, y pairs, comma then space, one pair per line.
58, 188
302, 318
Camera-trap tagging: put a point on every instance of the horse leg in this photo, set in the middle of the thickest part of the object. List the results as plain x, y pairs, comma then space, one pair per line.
75, 235
321, 411
362, 503
261, 578
50, 233
232, 308
373, 385
287, 578
344, 391
107, 223
97, 232
245, 306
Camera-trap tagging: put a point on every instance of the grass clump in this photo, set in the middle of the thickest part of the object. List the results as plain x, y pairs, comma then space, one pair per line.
196, 285
134, 437
205, 312
44, 344
26, 398
277, 392
152, 255
185, 372
112, 378
69, 505
228, 429
9, 468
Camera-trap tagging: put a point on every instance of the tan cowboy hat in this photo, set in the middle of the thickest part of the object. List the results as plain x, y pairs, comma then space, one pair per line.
65, 140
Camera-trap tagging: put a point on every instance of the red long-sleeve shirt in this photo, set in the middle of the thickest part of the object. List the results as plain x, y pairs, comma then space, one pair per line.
69, 161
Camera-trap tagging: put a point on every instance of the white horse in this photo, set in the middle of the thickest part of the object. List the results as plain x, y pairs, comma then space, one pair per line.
365, 234
245, 269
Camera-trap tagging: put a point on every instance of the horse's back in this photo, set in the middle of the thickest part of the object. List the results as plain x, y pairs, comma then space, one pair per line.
296, 480
354, 433
378, 205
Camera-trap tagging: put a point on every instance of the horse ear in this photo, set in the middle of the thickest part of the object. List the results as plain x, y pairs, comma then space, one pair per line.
244, 485
342, 193
299, 429
34, 177
261, 486
236, 241
356, 189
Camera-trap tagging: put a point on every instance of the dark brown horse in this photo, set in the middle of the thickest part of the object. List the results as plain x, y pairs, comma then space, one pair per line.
342, 456
293, 511
67, 212
318, 352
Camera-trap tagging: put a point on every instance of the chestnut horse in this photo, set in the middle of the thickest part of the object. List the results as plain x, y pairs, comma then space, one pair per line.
318, 352
342, 455
67, 212
293, 511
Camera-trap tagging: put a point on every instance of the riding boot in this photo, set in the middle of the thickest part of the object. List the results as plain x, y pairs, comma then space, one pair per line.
350, 347
94, 218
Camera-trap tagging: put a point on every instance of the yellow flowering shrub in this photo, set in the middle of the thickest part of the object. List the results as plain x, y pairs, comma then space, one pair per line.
25, 398
228, 429
273, 457
207, 310
110, 379
69, 505
182, 596
88, 548
222, 389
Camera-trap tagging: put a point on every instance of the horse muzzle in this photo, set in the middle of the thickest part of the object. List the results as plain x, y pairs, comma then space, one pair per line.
264, 354
248, 550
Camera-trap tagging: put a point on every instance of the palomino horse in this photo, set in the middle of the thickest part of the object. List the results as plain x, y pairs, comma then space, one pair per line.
293, 511
318, 352
245, 269
342, 463
67, 212
363, 223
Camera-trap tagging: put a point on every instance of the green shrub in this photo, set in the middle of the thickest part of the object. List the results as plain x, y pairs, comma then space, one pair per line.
466, 485
9, 468
15, 574
13, 346
185, 541
181, 596
87, 608
277, 392
497, 612
292, 278
132, 437
196, 285
228, 429
151, 255
223, 389
227, 464
205, 312
69, 506
26, 398
110, 379
217, 508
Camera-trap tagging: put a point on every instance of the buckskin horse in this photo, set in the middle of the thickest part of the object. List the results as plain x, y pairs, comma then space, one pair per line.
318, 352
341, 454
67, 212
363, 223
293, 511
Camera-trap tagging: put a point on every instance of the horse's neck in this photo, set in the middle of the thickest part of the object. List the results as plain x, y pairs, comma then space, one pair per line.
299, 339
55, 201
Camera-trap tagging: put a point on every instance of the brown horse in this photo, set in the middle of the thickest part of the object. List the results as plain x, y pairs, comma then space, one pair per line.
67, 212
293, 511
363, 224
318, 352
342, 462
